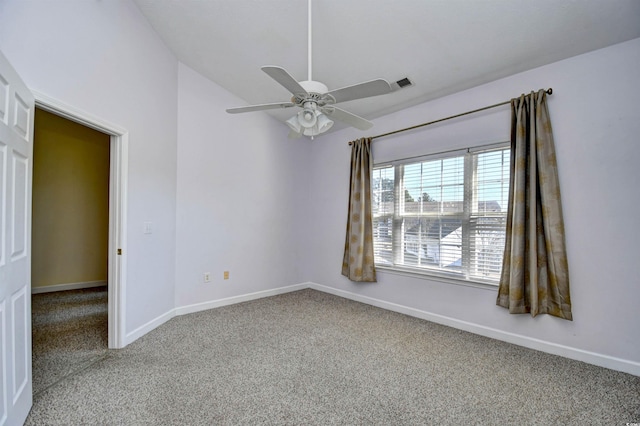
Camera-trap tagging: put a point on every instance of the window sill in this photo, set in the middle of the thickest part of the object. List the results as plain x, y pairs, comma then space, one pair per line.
434, 276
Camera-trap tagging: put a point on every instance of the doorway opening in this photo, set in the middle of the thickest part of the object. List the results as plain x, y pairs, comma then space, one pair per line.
70, 240
117, 184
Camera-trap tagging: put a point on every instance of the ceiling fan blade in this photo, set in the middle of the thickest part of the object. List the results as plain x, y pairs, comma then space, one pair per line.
361, 90
281, 75
347, 117
260, 107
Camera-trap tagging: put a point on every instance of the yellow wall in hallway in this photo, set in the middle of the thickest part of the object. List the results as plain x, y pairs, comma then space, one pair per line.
70, 202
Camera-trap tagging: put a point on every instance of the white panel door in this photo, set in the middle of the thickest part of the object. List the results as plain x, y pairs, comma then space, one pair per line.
16, 150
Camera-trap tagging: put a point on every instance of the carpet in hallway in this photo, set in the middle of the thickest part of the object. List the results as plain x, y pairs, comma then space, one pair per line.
69, 333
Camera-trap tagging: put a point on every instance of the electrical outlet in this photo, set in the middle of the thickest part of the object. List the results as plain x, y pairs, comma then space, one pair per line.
207, 277
226, 275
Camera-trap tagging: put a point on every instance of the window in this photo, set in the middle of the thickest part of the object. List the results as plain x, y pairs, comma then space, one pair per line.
443, 214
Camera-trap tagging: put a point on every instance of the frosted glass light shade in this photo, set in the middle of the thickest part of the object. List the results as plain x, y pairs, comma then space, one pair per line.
294, 124
308, 122
307, 118
324, 123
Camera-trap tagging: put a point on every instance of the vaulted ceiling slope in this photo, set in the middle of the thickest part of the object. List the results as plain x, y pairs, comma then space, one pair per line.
442, 46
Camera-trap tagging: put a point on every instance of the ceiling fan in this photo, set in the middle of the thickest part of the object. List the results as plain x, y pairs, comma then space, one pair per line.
316, 100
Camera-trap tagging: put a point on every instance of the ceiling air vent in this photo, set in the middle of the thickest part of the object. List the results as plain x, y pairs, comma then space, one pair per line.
404, 82
401, 84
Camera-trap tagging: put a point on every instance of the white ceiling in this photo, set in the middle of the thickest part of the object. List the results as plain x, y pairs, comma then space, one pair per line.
443, 46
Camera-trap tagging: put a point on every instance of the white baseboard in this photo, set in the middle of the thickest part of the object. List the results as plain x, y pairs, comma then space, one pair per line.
149, 326
197, 307
600, 360
67, 286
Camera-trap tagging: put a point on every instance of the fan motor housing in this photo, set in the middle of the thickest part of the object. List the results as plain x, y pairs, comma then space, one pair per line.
314, 87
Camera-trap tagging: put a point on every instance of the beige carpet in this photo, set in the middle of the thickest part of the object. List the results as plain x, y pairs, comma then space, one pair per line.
312, 358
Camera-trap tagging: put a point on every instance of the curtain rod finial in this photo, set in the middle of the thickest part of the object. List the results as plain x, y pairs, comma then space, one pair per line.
550, 91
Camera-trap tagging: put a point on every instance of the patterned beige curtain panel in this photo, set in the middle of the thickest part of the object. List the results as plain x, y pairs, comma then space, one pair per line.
358, 263
535, 274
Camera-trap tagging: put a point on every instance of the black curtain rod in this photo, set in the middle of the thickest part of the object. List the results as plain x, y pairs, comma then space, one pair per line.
549, 91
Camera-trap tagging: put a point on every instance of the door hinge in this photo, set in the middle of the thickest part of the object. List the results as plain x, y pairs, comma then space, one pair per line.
119, 252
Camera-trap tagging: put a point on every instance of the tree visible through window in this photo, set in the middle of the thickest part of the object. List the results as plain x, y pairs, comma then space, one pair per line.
443, 215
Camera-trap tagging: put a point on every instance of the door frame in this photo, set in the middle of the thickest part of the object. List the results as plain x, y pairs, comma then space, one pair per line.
118, 177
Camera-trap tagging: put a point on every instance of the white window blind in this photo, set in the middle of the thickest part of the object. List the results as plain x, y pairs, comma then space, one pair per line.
443, 214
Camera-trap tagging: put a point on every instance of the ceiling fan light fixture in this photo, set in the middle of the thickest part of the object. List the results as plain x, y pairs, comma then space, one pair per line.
294, 124
311, 131
316, 100
307, 118
324, 123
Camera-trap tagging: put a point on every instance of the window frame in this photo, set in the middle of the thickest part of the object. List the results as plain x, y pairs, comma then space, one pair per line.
463, 278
